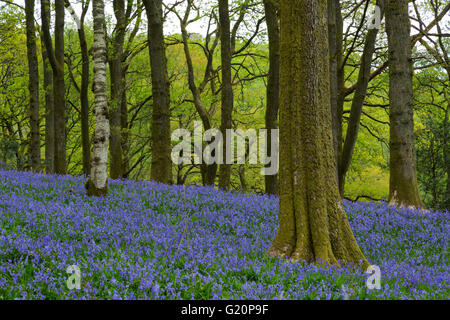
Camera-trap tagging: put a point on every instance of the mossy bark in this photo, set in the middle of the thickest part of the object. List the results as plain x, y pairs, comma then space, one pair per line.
33, 86
403, 189
313, 224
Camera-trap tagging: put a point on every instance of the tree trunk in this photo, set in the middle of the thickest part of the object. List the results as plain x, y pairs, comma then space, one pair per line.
161, 170
208, 172
33, 86
357, 103
403, 189
447, 155
84, 97
336, 74
227, 90
124, 132
313, 224
59, 91
117, 90
273, 84
49, 108
56, 59
97, 184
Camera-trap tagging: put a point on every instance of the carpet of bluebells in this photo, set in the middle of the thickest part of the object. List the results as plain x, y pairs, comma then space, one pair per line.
151, 241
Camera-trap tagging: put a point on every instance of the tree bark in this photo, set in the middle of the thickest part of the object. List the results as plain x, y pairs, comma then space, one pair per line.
403, 189
313, 224
33, 87
49, 111
56, 59
84, 89
357, 103
447, 158
335, 31
97, 184
227, 90
161, 170
273, 85
117, 90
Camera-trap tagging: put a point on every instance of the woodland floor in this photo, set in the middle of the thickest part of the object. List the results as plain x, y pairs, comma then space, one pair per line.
151, 241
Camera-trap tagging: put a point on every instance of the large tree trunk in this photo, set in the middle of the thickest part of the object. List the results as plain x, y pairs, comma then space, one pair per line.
84, 90
161, 170
313, 224
97, 184
56, 59
273, 84
357, 103
33, 86
403, 189
227, 90
49, 108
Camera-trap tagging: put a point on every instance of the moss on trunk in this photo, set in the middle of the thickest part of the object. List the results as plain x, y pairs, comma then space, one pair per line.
313, 224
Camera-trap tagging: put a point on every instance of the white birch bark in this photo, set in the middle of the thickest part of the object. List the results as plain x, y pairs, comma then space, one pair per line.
99, 170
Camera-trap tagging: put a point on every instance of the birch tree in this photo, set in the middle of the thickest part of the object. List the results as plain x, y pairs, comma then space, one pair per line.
97, 184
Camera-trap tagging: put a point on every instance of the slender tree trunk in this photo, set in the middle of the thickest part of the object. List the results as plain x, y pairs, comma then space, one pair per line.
124, 130
84, 90
84, 96
56, 59
403, 189
357, 103
49, 108
447, 155
161, 170
227, 90
97, 184
33, 87
273, 84
208, 172
59, 91
117, 90
313, 224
